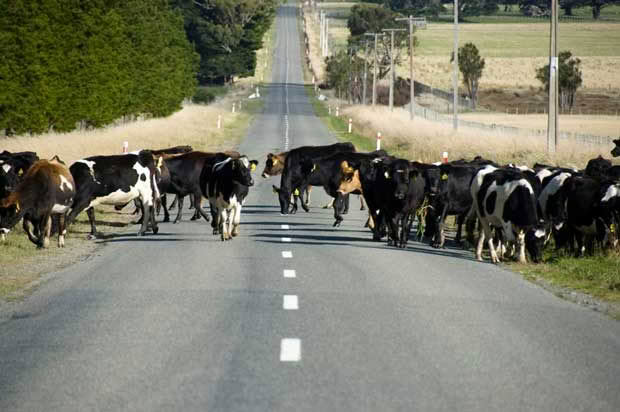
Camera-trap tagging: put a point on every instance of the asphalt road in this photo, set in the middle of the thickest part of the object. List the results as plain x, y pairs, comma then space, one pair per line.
182, 321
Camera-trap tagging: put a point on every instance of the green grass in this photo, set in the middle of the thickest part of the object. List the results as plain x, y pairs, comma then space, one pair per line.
597, 275
522, 40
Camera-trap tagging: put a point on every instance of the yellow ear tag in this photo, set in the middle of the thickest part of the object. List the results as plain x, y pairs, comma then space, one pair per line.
275, 162
21, 172
313, 168
17, 206
444, 177
296, 193
612, 228
252, 167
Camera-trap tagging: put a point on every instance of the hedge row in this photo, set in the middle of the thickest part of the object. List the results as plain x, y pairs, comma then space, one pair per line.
66, 62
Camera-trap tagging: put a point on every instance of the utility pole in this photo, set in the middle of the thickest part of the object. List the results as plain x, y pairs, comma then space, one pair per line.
411, 91
392, 31
364, 86
552, 119
374, 70
326, 36
455, 76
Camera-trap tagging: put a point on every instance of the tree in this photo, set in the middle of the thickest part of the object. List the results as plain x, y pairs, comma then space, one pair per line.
373, 19
471, 66
226, 34
345, 74
416, 7
569, 78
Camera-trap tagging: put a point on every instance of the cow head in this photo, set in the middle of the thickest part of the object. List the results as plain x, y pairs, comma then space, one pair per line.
535, 239
615, 152
398, 172
8, 180
350, 179
274, 165
242, 169
10, 214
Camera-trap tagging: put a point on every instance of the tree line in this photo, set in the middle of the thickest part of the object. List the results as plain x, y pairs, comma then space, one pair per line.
71, 62
470, 8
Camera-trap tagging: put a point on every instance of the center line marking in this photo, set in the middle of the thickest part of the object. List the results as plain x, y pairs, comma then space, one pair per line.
285, 227
287, 254
290, 350
290, 302
289, 273
286, 239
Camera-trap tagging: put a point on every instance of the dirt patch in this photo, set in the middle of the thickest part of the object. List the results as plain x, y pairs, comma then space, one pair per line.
534, 100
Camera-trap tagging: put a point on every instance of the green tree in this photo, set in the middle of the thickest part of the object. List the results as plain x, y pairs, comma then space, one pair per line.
345, 75
365, 18
569, 78
471, 66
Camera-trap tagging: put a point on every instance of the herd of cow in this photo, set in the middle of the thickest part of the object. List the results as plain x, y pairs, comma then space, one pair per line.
517, 208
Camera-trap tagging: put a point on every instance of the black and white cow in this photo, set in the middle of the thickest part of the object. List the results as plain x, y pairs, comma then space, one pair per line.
615, 152
226, 184
116, 180
12, 167
505, 200
593, 209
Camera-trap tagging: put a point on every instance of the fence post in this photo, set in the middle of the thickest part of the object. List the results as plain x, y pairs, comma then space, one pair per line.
378, 140
219, 121
350, 125
125, 147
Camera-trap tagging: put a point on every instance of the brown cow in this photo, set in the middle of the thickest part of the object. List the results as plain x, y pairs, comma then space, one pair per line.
47, 189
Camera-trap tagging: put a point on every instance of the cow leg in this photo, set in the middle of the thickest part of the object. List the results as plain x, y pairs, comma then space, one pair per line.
407, 222
29, 228
199, 210
164, 200
224, 224
174, 202
45, 226
307, 193
236, 221
62, 229
362, 206
392, 231
91, 218
337, 204
293, 203
346, 204
521, 246
179, 209
153, 221
440, 237
140, 208
304, 202
145, 220
480, 245
460, 219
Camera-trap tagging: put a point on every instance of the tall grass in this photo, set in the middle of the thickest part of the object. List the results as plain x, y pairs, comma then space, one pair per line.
425, 141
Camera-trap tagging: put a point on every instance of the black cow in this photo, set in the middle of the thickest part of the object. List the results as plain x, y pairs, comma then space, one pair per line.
115, 180
597, 167
593, 210
552, 206
405, 189
46, 190
329, 173
293, 175
615, 152
504, 199
185, 170
453, 198
12, 167
226, 183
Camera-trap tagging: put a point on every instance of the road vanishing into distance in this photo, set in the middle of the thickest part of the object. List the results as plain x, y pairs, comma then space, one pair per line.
294, 315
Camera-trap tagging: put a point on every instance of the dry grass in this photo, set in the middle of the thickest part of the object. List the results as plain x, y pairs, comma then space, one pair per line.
424, 140
596, 125
312, 28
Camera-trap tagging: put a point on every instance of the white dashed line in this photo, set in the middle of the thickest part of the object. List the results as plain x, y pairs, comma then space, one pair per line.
290, 302
286, 239
287, 254
290, 350
290, 273
285, 227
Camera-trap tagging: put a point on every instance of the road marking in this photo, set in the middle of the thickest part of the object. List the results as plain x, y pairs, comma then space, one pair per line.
290, 273
285, 227
286, 239
287, 254
290, 350
290, 302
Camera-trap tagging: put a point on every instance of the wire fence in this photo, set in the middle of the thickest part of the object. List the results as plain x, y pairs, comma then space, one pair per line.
499, 129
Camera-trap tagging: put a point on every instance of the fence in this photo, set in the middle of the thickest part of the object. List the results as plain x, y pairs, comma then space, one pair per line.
434, 116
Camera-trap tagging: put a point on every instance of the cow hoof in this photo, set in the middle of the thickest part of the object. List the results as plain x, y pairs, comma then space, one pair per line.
305, 208
155, 230
166, 220
345, 212
92, 236
193, 218
140, 234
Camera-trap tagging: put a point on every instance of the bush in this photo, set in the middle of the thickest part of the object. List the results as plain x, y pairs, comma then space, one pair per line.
203, 96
